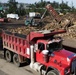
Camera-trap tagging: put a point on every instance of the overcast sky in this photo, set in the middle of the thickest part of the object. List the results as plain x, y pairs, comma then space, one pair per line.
33, 1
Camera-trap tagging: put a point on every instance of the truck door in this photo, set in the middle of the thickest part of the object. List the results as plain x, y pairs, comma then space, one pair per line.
39, 55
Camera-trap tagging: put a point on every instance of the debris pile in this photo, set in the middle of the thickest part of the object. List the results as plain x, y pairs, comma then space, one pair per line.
69, 21
71, 33
22, 30
51, 23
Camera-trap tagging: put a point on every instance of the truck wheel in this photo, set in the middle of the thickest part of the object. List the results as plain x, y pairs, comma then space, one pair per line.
16, 60
8, 56
52, 72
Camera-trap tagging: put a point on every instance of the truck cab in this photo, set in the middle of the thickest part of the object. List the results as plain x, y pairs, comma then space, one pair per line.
54, 57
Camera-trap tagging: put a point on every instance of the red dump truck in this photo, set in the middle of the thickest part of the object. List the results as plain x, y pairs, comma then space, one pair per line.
42, 49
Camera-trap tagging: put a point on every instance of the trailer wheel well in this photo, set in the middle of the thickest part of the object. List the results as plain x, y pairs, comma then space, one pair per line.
51, 68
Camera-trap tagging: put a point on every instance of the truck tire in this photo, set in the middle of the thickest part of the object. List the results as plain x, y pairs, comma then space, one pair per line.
8, 55
16, 60
53, 72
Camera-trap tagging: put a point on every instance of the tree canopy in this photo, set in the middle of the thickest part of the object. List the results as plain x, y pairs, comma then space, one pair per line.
38, 7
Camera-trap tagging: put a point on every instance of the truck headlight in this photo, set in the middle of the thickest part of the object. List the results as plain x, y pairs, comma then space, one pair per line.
68, 59
74, 55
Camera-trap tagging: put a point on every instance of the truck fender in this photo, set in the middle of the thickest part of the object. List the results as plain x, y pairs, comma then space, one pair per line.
51, 68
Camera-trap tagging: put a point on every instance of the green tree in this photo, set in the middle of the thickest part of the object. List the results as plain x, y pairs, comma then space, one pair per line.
64, 7
12, 6
55, 4
21, 10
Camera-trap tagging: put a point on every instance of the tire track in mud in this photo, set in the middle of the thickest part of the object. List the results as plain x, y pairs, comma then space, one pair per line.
2, 73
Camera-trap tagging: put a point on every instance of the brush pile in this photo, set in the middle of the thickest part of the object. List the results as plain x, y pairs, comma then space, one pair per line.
22, 30
51, 23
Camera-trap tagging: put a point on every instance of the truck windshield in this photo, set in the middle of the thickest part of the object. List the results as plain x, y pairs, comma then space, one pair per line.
54, 46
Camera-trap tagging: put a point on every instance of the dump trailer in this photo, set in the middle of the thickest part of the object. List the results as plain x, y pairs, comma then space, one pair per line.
43, 50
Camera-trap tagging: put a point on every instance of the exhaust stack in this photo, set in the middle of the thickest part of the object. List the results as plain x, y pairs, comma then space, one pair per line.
32, 56
34, 65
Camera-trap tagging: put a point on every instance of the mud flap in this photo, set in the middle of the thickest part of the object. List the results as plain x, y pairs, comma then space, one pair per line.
74, 71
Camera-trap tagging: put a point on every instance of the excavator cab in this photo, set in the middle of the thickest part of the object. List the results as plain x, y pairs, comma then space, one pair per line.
35, 19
